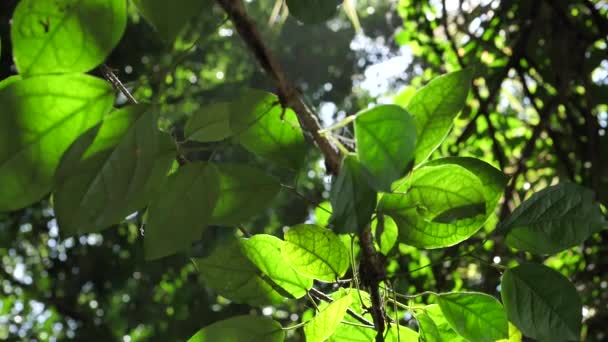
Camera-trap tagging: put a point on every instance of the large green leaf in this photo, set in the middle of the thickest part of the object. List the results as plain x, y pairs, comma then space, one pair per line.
475, 316
51, 36
346, 330
231, 274
41, 117
315, 252
491, 178
169, 17
554, 219
438, 206
264, 251
268, 130
434, 108
178, 216
397, 333
209, 123
435, 327
352, 199
242, 329
115, 175
244, 192
542, 303
386, 138
323, 325
313, 11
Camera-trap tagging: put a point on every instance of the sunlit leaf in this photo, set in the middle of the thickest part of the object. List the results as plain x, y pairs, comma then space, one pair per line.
403, 334
50, 36
438, 206
313, 11
434, 108
41, 117
244, 192
177, 217
231, 274
435, 327
542, 303
241, 328
324, 323
169, 18
112, 175
352, 199
386, 232
554, 219
315, 252
264, 251
475, 316
268, 130
386, 138
209, 123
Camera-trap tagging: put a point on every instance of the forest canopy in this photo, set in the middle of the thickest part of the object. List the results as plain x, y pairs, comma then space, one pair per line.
303, 170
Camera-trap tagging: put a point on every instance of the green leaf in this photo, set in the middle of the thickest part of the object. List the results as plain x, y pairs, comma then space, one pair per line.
349, 332
232, 275
386, 233
403, 335
386, 138
492, 179
178, 217
542, 303
244, 192
264, 251
315, 252
439, 206
112, 175
323, 214
435, 327
245, 328
169, 18
323, 325
268, 130
475, 316
52, 36
352, 199
435, 107
556, 218
313, 11
41, 117
209, 123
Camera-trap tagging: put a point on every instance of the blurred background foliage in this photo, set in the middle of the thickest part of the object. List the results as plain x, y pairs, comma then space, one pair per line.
538, 110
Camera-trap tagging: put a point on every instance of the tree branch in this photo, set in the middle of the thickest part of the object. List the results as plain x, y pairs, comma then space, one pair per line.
288, 94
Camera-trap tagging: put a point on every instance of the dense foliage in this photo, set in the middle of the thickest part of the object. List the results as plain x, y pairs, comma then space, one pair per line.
195, 194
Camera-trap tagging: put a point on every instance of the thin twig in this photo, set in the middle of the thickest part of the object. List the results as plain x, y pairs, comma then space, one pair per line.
115, 81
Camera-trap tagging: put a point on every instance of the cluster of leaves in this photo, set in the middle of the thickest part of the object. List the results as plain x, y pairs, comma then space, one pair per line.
62, 136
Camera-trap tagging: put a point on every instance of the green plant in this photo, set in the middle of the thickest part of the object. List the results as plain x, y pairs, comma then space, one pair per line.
61, 136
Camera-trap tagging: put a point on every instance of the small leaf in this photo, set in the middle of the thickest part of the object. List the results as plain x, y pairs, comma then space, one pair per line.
475, 316
514, 334
556, 218
427, 328
435, 107
232, 275
352, 199
169, 18
386, 233
52, 36
41, 117
113, 176
244, 192
349, 332
178, 217
323, 325
313, 11
323, 214
403, 335
209, 123
268, 130
315, 252
441, 206
386, 138
542, 303
241, 328
264, 251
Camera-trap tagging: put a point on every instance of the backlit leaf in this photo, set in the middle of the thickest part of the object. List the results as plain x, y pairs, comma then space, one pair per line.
64, 36
386, 138
41, 117
241, 328
209, 123
324, 323
315, 252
